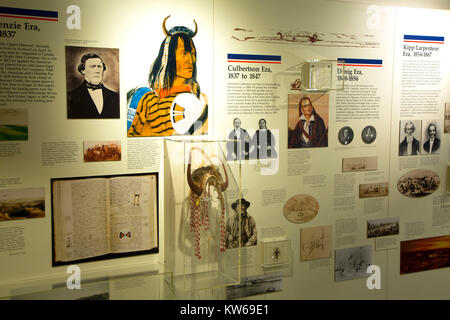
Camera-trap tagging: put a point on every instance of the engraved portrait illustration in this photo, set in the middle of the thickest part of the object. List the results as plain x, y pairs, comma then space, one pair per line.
409, 138
92, 78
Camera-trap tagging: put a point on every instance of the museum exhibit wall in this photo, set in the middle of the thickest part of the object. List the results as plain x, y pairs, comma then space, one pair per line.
322, 200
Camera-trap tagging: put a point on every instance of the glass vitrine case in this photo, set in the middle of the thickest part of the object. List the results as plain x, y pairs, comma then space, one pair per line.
201, 229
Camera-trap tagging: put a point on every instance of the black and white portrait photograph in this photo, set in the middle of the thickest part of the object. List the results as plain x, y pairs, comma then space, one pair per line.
352, 263
263, 143
431, 137
245, 230
345, 135
92, 79
409, 138
238, 148
369, 134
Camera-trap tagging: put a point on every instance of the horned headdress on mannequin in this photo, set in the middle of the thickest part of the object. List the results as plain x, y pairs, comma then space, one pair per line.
200, 181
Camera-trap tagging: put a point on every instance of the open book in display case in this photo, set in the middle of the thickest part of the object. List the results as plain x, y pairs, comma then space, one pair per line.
104, 217
201, 229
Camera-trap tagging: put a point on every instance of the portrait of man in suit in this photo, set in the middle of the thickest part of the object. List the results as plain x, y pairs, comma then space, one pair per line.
345, 135
432, 143
91, 99
239, 146
409, 145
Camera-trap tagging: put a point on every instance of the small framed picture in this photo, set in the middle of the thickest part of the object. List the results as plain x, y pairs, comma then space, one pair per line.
276, 252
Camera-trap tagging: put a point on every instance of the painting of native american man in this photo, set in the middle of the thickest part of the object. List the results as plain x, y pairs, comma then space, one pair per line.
172, 104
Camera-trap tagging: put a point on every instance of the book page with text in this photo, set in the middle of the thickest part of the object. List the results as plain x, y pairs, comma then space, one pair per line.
133, 213
81, 227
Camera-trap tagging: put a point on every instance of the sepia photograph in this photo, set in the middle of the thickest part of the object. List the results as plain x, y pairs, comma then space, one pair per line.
448, 180
447, 118
13, 124
19, 204
102, 151
409, 137
308, 120
316, 243
418, 183
424, 254
383, 227
301, 208
352, 263
92, 80
431, 137
373, 190
359, 164
256, 285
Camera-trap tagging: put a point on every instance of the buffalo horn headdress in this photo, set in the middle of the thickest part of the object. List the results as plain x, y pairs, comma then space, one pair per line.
169, 34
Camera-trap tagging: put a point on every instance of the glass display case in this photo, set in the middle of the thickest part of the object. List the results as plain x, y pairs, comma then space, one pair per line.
322, 75
202, 250
319, 75
142, 285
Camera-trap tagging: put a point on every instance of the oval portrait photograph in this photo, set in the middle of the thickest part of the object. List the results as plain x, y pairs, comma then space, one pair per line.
301, 208
369, 134
345, 135
418, 183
